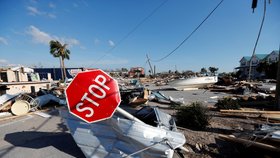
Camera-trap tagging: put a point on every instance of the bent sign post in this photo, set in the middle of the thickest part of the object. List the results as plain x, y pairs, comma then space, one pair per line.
93, 96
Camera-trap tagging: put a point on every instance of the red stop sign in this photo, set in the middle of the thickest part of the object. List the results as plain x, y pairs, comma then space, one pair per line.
93, 96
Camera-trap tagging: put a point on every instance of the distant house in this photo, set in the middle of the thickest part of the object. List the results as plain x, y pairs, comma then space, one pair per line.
256, 59
15, 74
20, 80
136, 72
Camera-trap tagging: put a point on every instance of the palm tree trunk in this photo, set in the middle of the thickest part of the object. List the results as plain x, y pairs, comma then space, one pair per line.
61, 68
64, 70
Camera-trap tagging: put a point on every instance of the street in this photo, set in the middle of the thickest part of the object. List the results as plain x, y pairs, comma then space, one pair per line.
35, 136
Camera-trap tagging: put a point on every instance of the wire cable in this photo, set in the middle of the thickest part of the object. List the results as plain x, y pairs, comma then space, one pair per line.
259, 34
131, 31
189, 36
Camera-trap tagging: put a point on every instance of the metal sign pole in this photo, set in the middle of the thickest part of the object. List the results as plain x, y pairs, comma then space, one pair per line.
128, 115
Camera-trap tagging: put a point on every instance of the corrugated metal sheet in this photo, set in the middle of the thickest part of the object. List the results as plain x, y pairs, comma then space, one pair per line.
120, 137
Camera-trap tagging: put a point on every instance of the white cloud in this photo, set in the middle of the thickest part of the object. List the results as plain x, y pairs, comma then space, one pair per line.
51, 15
3, 41
41, 37
33, 11
52, 5
111, 43
83, 47
33, 1
3, 62
36, 12
96, 41
75, 5
70, 41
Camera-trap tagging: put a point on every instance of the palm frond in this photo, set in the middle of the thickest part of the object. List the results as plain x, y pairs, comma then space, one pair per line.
59, 50
67, 54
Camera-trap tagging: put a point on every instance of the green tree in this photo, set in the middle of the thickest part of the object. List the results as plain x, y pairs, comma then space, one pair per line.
268, 69
203, 71
262, 67
60, 51
124, 69
213, 70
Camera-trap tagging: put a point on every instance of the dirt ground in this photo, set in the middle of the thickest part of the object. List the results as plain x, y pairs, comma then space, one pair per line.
208, 144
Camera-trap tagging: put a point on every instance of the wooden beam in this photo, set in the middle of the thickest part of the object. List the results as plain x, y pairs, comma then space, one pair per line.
251, 111
249, 142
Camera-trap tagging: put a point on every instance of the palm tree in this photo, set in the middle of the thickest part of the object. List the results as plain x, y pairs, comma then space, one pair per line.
203, 71
60, 51
213, 70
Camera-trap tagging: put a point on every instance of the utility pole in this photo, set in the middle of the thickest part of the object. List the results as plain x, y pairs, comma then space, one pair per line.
148, 59
254, 5
277, 96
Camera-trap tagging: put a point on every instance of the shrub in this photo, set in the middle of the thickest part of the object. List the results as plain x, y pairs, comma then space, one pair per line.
227, 103
194, 116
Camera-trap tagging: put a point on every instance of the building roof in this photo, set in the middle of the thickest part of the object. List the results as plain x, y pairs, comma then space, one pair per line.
247, 58
276, 51
261, 56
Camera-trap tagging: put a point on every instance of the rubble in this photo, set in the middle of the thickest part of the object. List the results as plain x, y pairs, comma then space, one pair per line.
266, 137
6, 101
161, 98
236, 126
23, 103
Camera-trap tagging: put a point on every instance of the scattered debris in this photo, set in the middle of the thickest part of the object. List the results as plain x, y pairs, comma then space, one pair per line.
23, 103
5, 114
266, 87
214, 97
161, 98
275, 117
45, 99
6, 101
20, 107
249, 143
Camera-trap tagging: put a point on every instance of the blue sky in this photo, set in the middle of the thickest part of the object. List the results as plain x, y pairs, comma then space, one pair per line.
93, 27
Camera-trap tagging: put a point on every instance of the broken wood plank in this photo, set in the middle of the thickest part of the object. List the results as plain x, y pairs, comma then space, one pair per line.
249, 142
268, 120
271, 116
251, 111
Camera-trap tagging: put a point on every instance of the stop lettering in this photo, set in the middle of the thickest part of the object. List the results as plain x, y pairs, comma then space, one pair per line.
93, 96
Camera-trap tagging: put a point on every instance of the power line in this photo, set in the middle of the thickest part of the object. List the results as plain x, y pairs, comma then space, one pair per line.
189, 34
259, 34
131, 31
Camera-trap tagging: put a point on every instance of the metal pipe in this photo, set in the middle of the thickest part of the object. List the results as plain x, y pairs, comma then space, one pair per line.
144, 149
128, 115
